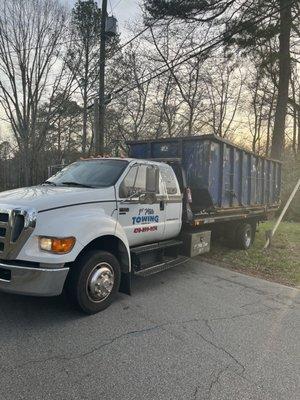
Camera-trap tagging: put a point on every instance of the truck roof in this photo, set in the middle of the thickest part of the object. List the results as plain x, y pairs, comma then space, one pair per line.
129, 160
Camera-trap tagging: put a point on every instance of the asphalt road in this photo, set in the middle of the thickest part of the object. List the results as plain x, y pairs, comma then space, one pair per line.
192, 332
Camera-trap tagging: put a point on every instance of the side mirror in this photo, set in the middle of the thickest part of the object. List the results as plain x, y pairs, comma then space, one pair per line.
148, 198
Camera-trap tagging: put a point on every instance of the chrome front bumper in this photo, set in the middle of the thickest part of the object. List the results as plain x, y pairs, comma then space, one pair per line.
32, 281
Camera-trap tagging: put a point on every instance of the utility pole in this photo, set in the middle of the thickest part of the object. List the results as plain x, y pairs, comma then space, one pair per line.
99, 128
96, 125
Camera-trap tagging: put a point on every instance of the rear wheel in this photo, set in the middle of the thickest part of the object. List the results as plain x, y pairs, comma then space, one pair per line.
245, 236
240, 236
94, 281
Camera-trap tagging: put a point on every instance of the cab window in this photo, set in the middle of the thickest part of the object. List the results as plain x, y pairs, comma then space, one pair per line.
128, 184
169, 179
139, 179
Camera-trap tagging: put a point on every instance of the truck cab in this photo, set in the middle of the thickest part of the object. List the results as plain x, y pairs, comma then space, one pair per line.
86, 228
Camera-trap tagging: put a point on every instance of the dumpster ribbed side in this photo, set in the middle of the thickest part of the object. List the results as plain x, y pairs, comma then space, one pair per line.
223, 174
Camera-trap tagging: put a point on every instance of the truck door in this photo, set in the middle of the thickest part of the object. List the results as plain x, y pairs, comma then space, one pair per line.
140, 212
172, 202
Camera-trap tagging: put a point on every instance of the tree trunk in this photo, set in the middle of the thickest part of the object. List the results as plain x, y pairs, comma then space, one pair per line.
84, 123
85, 98
298, 150
270, 123
298, 124
26, 168
59, 140
294, 114
278, 138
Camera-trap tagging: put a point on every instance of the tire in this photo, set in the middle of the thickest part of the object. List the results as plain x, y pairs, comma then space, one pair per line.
244, 236
94, 281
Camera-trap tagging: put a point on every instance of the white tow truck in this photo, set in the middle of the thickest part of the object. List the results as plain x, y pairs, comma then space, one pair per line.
87, 228
98, 221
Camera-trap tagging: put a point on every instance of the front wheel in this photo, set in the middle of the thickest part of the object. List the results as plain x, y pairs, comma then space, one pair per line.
94, 281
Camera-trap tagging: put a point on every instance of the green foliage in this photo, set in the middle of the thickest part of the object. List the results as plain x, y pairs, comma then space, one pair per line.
279, 263
178, 8
252, 36
290, 175
85, 29
86, 17
198, 10
85, 26
83, 54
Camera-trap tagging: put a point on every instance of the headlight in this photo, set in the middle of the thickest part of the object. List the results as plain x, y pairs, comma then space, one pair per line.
57, 245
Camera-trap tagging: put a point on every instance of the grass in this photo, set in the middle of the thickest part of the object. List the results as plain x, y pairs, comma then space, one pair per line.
279, 263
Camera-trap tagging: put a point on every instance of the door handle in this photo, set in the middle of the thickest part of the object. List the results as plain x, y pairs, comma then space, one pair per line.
162, 205
123, 211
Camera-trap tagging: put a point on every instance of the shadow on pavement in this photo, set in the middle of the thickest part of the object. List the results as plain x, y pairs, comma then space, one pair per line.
54, 311
38, 310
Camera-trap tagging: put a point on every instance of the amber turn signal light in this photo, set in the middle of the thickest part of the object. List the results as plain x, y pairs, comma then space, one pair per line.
57, 245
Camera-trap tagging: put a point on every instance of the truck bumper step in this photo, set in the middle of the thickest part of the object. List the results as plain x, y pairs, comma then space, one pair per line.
155, 254
155, 246
162, 266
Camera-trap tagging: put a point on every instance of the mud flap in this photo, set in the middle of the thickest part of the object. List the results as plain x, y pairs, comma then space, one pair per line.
125, 285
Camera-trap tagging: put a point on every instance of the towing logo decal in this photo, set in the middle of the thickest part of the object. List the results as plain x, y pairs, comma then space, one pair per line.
145, 216
145, 219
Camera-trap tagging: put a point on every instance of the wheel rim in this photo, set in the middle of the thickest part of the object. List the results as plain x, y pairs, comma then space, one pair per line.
248, 237
100, 282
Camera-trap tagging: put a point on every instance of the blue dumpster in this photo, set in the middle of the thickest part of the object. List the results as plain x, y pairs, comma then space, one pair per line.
220, 173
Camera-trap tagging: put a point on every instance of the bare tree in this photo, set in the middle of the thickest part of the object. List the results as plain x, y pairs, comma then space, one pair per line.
223, 85
32, 70
186, 77
165, 109
257, 105
133, 121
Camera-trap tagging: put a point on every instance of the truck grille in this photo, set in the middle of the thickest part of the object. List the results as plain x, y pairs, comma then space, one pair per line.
15, 228
4, 217
18, 226
4, 231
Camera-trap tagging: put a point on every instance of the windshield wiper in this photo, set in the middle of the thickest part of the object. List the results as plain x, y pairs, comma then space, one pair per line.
77, 184
49, 183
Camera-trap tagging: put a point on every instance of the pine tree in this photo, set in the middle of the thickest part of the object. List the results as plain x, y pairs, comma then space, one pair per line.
250, 26
83, 57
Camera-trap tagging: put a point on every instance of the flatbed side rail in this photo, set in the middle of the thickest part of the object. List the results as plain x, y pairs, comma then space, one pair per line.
261, 214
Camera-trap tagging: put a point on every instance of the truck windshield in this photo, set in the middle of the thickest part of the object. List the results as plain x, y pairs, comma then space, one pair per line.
89, 173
